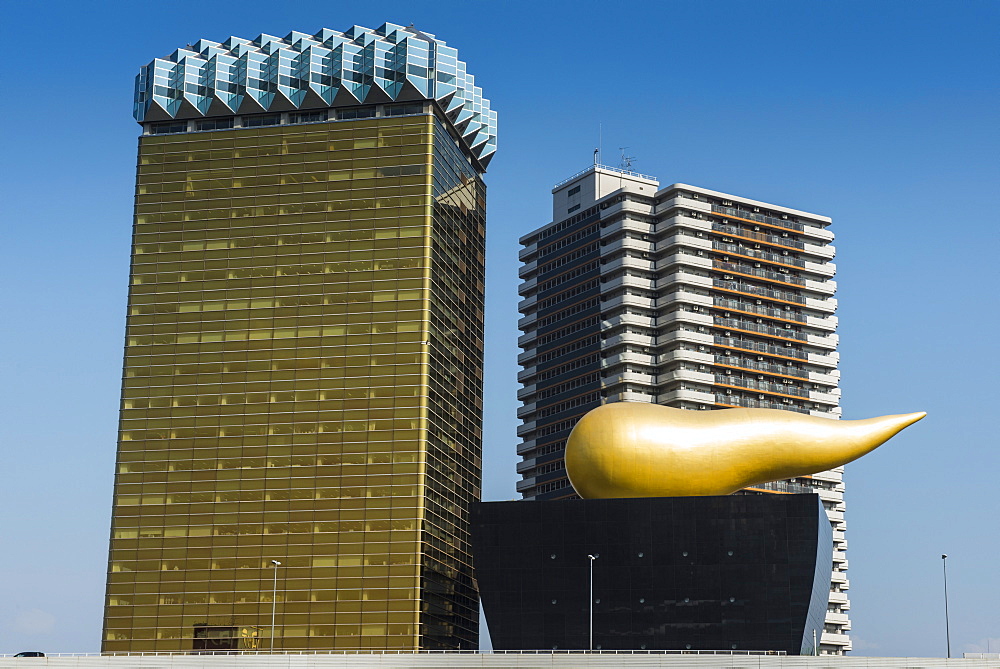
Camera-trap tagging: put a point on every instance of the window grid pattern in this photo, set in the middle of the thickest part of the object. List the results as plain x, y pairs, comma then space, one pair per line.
276, 391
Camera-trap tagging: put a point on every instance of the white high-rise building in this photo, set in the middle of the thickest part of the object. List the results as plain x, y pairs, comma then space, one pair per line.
685, 297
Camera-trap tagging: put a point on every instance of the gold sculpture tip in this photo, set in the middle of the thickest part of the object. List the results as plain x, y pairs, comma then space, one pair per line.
635, 449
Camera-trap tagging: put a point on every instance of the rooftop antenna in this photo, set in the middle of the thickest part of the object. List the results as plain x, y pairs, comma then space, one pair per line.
626, 160
597, 152
600, 140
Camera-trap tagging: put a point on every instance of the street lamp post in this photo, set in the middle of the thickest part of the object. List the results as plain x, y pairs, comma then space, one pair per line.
947, 626
592, 558
274, 599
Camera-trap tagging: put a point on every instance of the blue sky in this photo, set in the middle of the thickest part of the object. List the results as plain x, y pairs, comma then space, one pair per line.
881, 115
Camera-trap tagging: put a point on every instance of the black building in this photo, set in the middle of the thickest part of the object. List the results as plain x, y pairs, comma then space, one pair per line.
746, 572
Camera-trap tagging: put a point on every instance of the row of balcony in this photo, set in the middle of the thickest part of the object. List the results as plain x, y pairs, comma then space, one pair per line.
833, 639
686, 240
650, 379
682, 276
691, 232
613, 205
703, 320
756, 253
760, 328
656, 376
758, 218
759, 272
659, 249
646, 393
827, 305
647, 385
728, 245
648, 262
696, 303
736, 231
812, 248
742, 305
784, 486
759, 366
824, 359
827, 359
704, 359
705, 299
759, 347
826, 377
700, 323
824, 285
770, 293
736, 401
753, 403
765, 386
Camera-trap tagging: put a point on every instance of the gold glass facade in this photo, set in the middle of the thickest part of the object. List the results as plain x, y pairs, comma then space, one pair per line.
302, 383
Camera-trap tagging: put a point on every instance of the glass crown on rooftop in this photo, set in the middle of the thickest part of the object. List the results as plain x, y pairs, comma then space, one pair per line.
329, 69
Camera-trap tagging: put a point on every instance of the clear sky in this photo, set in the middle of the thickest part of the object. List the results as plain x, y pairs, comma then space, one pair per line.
883, 115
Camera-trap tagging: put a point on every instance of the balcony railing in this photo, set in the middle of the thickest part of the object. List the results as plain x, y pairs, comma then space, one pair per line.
739, 268
783, 486
759, 236
760, 218
739, 305
765, 386
756, 253
736, 400
739, 324
760, 347
767, 367
749, 288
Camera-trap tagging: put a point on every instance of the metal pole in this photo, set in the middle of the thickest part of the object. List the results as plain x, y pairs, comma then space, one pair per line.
947, 625
592, 558
274, 599
815, 649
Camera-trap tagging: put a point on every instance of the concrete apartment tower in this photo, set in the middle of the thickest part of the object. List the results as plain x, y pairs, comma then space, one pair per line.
303, 365
685, 297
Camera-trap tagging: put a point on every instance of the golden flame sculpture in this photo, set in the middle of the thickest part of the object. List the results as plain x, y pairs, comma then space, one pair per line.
635, 449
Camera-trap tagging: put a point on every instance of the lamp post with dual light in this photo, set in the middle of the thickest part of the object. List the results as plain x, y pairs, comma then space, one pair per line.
947, 626
592, 558
274, 599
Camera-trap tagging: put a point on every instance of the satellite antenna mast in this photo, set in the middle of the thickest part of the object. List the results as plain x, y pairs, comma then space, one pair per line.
626, 160
625, 165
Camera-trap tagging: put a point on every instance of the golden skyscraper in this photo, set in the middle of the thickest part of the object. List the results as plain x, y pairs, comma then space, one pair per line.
303, 366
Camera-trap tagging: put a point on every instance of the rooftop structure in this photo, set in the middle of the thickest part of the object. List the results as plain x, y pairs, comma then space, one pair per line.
327, 69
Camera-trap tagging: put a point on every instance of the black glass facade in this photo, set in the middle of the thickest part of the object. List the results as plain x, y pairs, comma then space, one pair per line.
741, 572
